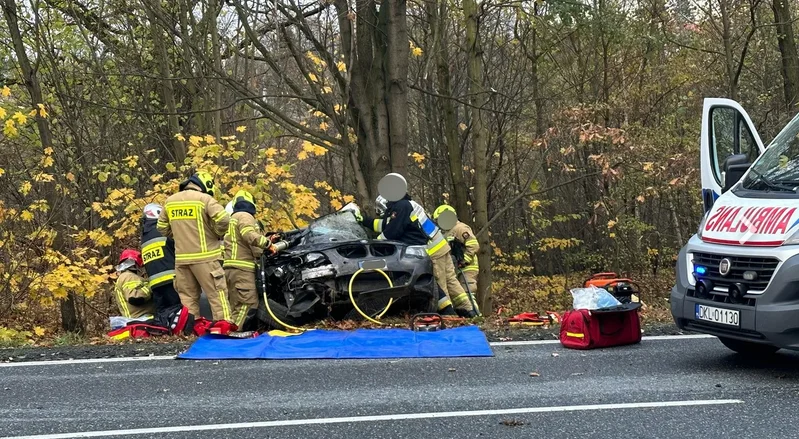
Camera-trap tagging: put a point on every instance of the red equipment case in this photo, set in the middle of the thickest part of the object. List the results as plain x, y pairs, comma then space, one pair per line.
599, 328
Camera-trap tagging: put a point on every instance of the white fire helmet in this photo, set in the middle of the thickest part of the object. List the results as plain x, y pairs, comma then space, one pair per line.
152, 210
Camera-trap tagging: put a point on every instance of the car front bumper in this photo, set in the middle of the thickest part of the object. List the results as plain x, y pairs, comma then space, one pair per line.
772, 318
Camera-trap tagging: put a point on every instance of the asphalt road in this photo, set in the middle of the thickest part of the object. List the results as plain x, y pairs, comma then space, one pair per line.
658, 389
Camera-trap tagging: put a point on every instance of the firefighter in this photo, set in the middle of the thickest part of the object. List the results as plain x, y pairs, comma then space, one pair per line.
405, 220
244, 244
131, 290
197, 222
461, 236
158, 254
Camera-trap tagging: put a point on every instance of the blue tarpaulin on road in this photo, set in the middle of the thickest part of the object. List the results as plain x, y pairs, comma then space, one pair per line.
466, 341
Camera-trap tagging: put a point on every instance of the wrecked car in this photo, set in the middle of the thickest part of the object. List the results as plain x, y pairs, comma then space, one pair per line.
312, 278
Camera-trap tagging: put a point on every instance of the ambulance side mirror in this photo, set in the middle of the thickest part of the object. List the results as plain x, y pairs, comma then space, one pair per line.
735, 166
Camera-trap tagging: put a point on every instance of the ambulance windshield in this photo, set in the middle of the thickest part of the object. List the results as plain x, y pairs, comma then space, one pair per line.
778, 168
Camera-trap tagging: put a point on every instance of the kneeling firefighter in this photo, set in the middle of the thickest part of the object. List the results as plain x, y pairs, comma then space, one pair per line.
135, 301
464, 244
405, 220
131, 290
244, 244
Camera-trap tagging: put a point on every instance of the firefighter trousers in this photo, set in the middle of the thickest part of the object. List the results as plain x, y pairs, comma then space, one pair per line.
192, 279
447, 280
243, 295
165, 297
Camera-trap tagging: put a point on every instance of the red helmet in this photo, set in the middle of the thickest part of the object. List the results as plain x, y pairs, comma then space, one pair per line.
131, 254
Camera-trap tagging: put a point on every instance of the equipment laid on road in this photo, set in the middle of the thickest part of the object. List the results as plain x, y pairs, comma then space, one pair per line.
598, 328
427, 322
534, 319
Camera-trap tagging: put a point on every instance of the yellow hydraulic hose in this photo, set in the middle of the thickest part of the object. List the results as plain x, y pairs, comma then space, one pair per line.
352, 299
274, 317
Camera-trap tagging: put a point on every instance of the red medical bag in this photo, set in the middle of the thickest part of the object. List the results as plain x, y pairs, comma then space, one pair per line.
599, 328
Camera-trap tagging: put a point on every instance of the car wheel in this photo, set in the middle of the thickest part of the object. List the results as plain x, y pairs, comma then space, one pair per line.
281, 312
748, 348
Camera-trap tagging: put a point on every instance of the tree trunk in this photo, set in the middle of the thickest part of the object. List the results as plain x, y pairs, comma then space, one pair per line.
69, 315
216, 102
167, 90
396, 61
787, 46
447, 104
479, 100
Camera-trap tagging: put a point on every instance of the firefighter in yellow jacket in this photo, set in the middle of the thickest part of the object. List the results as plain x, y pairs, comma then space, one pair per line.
131, 290
461, 235
197, 222
244, 244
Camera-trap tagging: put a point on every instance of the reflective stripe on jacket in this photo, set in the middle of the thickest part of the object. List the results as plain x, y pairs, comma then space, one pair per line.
131, 285
197, 222
158, 254
463, 234
244, 242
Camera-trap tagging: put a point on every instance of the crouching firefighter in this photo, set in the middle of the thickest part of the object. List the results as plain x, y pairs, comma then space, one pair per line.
464, 244
197, 222
158, 254
244, 244
134, 299
406, 221
131, 290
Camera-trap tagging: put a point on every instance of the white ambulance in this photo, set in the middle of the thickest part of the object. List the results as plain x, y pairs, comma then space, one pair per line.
738, 277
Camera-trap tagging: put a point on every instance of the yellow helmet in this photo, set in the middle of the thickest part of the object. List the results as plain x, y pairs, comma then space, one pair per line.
245, 195
202, 179
443, 208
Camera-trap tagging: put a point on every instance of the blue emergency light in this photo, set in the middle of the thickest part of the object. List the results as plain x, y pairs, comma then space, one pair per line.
700, 270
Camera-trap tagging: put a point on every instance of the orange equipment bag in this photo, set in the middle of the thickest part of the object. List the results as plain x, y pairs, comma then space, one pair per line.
620, 287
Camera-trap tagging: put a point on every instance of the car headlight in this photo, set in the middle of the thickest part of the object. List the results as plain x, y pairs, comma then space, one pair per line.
416, 251
793, 240
702, 225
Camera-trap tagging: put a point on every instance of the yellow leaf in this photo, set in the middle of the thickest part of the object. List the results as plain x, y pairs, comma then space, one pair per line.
323, 126
25, 187
5, 91
327, 90
418, 158
32, 113
133, 161
171, 167
70, 176
195, 140
313, 77
20, 118
26, 216
241, 128
46, 161
180, 137
42, 111
39, 331
3, 113
48, 151
318, 113
612, 235
611, 223
417, 51
648, 166
2, 172
462, 126
337, 108
641, 199
10, 129
210, 139
302, 155
102, 176
341, 66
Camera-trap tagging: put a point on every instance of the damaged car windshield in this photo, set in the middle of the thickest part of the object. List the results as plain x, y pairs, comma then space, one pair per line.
339, 226
778, 167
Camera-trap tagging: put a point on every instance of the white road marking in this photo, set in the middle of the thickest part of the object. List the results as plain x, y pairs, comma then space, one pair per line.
651, 338
87, 361
172, 357
378, 418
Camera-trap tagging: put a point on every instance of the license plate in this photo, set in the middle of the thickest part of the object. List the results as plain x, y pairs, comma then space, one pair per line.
722, 316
